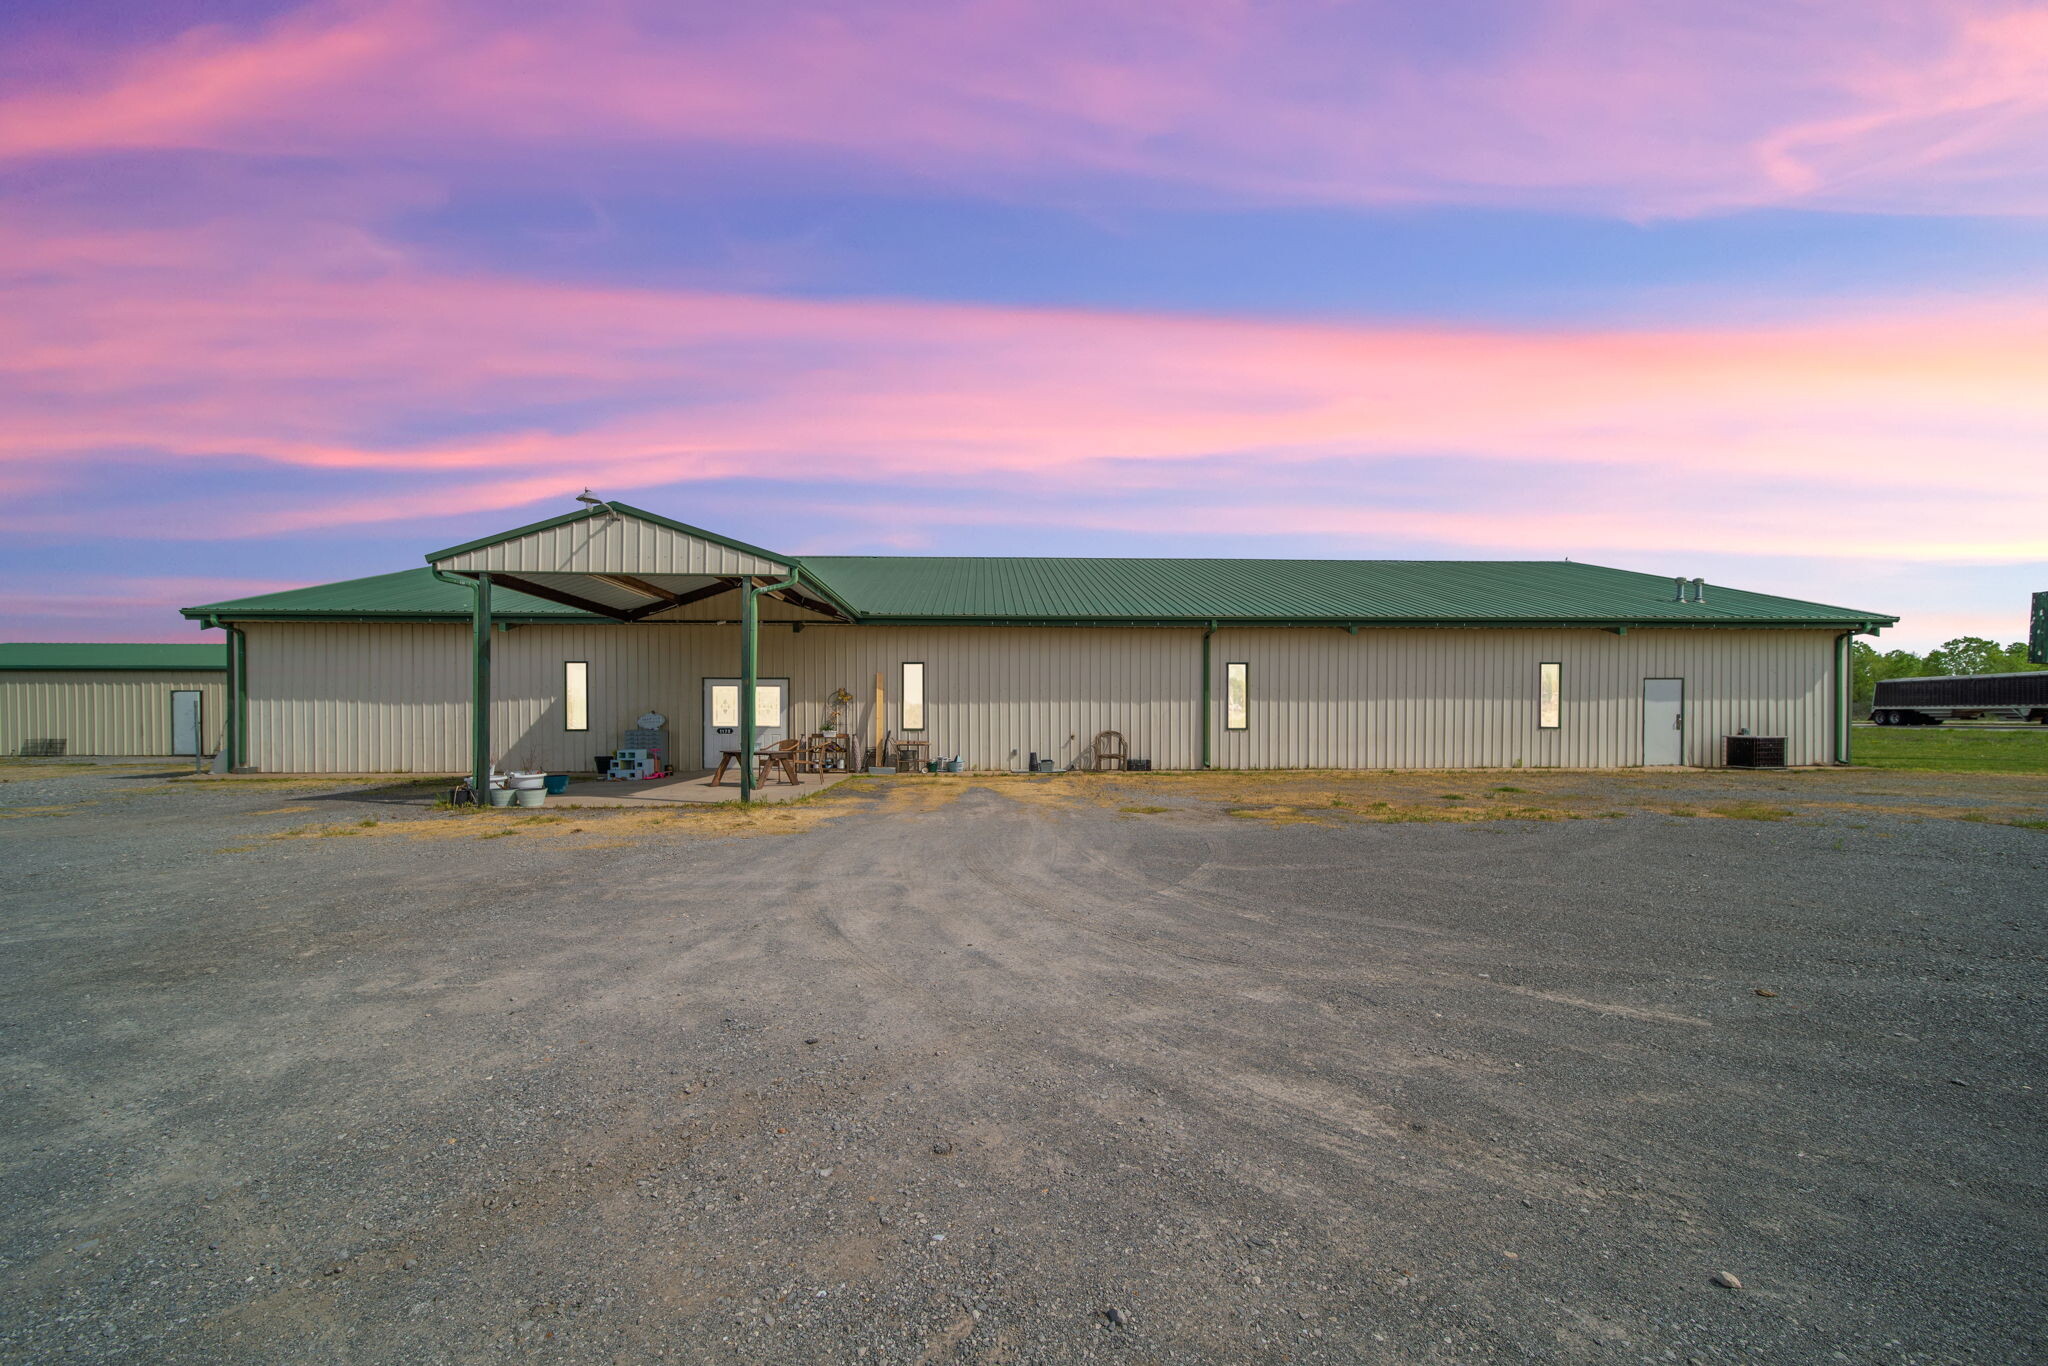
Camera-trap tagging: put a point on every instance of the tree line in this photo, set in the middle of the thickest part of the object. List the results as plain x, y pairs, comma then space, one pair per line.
1963, 655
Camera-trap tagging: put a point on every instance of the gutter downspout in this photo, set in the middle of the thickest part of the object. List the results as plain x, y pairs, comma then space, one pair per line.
750, 669
479, 682
1208, 698
1844, 689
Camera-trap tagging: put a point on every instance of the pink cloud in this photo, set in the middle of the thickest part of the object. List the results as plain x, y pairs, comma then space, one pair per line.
1923, 425
1911, 105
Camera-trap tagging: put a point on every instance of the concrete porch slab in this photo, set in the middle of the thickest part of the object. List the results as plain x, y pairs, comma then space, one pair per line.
689, 787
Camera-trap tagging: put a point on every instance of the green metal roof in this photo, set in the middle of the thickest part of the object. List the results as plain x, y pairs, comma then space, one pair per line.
408, 595
943, 589
1054, 590
1365, 592
186, 658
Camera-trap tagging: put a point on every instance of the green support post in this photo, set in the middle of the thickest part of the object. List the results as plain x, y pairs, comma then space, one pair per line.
238, 699
480, 689
750, 668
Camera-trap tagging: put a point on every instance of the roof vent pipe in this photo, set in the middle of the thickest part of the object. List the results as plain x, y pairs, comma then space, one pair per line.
1678, 589
1699, 590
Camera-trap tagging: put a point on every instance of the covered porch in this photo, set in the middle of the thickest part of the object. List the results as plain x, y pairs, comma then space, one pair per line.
635, 568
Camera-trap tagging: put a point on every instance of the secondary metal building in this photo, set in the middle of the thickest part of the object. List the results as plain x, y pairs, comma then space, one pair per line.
539, 646
112, 699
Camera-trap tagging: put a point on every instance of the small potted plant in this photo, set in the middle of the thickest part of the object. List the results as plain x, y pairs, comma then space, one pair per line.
838, 699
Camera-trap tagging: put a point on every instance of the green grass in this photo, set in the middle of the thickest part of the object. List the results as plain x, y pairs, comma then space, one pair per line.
1750, 811
1941, 749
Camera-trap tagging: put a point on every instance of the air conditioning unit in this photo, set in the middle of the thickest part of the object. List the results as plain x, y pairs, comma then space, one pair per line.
1756, 751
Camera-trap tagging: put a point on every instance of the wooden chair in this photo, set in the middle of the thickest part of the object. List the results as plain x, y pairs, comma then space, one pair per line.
811, 755
1109, 751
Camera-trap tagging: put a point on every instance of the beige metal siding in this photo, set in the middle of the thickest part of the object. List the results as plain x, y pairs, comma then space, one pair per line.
343, 698
105, 711
347, 698
633, 669
995, 694
992, 694
623, 545
1455, 699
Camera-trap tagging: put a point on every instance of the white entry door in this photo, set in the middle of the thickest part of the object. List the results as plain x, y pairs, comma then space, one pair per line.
722, 715
1663, 721
185, 722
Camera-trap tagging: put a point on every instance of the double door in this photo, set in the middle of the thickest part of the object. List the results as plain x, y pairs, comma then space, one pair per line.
722, 715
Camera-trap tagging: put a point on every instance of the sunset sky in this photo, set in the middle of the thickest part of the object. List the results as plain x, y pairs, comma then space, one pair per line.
1755, 290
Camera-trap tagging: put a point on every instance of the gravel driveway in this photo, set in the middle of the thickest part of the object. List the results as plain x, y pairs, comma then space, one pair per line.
986, 1078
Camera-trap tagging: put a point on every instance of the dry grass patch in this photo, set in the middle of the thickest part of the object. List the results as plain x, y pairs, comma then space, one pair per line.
1342, 797
619, 827
20, 812
2017, 822
1750, 811
1277, 815
20, 770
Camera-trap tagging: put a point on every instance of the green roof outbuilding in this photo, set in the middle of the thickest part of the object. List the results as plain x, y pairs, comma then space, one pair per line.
183, 658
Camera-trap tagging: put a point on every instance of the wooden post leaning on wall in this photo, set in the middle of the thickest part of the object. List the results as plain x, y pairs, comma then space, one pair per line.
875, 725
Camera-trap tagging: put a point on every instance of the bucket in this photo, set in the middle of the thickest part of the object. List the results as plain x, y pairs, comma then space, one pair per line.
956, 766
526, 782
531, 796
501, 796
558, 783
1047, 766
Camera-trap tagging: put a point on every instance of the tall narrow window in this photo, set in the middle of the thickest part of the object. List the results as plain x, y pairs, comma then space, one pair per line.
913, 696
1237, 690
1549, 696
767, 705
576, 695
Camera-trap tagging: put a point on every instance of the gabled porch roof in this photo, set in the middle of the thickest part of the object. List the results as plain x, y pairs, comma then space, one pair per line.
625, 563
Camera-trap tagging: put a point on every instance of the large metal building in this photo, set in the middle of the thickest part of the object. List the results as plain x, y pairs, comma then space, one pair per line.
143, 700
556, 636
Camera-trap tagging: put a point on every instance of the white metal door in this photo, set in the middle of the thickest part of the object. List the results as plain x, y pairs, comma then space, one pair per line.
185, 722
722, 715
1663, 721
